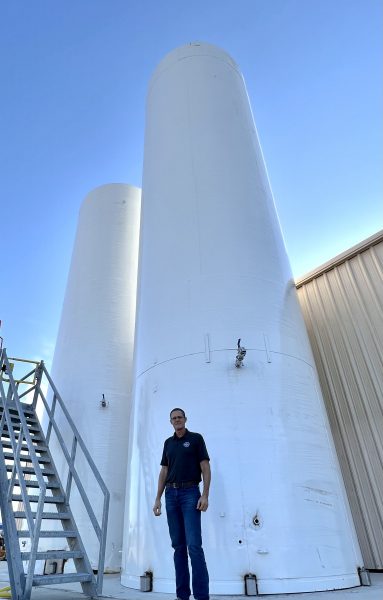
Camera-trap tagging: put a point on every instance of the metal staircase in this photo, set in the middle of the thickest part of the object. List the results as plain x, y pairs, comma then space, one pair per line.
34, 504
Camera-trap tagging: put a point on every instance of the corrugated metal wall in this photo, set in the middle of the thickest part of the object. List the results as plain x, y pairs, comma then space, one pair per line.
343, 308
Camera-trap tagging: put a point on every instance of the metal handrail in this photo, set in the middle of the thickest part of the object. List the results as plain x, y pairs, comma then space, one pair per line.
70, 457
33, 523
32, 372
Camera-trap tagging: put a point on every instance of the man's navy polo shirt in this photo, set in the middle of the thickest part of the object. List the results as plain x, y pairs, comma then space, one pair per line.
182, 456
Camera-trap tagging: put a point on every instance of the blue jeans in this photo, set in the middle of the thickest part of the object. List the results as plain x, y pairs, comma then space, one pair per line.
184, 521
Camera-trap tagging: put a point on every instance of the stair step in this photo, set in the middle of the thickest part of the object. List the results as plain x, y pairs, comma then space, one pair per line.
62, 516
48, 499
50, 485
16, 427
34, 434
29, 417
27, 458
52, 554
35, 438
37, 447
27, 408
33, 427
65, 578
36, 441
49, 534
31, 471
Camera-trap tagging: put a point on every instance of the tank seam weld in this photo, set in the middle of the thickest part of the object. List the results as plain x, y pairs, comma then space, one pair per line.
220, 350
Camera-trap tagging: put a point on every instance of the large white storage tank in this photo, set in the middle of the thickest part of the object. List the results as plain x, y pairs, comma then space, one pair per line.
213, 268
94, 350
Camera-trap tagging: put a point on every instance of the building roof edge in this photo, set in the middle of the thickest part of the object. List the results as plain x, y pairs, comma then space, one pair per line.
340, 258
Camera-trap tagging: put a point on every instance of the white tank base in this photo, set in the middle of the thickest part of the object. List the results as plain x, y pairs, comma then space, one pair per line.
265, 586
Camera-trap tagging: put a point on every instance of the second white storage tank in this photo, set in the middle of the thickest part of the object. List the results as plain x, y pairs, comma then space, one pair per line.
92, 366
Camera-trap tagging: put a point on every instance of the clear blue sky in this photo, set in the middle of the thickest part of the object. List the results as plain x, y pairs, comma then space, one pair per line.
74, 75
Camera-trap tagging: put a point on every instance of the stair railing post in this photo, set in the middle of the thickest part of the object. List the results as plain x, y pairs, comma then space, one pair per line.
35, 535
102, 540
9, 391
39, 374
70, 476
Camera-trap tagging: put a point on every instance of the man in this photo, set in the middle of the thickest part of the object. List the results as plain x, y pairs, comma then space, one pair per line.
184, 458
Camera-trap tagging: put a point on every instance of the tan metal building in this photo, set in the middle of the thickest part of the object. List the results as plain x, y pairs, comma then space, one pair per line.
342, 303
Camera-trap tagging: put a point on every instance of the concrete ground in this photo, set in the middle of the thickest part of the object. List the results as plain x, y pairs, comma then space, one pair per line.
113, 589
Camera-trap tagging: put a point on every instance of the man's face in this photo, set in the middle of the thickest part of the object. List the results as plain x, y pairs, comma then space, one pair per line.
177, 420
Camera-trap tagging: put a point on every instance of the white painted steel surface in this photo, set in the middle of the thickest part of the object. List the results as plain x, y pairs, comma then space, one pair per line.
213, 268
94, 351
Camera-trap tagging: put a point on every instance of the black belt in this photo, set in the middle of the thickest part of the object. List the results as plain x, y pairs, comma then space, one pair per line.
183, 484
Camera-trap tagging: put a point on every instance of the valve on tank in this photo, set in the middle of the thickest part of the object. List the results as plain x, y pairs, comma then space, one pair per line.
241, 353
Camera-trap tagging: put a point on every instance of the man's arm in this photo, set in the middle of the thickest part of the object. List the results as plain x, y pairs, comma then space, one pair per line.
161, 486
203, 502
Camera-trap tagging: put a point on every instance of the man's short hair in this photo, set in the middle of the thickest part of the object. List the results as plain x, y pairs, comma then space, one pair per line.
180, 409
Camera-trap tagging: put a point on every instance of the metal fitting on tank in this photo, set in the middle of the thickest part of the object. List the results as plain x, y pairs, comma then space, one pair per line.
146, 582
257, 521
240, 354
251, 584
364, 576
104, 403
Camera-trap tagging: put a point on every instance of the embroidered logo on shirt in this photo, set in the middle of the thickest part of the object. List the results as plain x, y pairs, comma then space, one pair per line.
186, 444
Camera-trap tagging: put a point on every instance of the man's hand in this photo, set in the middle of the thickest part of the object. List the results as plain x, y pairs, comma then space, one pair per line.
161, 486
202, 503
157, 508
